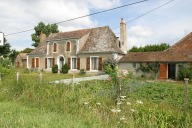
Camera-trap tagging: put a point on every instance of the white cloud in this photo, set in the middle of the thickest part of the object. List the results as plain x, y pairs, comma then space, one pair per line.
140, 31
19, 15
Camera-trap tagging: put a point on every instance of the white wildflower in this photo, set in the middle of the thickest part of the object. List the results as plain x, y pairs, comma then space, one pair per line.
123, 97
118, 110
115, 110
128, 103
139, 102
85, 103
118, 103
98, 103
122, 118
133, 110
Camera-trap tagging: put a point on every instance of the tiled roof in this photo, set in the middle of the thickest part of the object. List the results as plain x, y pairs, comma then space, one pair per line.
40, 49
101, 40
69, 34
140, 57
180, 52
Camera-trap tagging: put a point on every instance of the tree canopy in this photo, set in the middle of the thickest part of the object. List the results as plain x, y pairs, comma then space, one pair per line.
150, 48
27, 50
5, 49
46, 29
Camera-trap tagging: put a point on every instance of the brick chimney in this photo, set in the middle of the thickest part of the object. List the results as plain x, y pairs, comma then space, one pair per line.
42, 37
123, 36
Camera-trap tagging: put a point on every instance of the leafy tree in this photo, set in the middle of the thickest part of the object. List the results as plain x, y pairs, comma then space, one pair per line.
5, 49
41, 27
150, 48
27, 50
13, 54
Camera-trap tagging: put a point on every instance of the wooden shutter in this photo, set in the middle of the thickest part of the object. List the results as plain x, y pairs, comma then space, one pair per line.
53, 62
37, 62
88, 63
33, 62
100, 63
45, 62
78, 63
69, 63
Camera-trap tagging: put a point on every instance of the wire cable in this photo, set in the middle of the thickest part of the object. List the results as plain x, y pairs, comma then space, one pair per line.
95, 13
146, 13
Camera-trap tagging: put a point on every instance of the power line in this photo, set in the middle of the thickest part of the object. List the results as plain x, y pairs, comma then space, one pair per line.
146, 13
95, 13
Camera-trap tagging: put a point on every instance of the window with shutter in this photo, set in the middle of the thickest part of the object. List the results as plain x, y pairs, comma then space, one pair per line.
45, 62
88, 63
33, 62
94, 63
68, 46
100, 63
69, 63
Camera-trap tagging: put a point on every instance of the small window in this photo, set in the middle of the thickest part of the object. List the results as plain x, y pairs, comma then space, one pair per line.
134, 65
68, 46
119, 44
55, 47
94, 63
74, 63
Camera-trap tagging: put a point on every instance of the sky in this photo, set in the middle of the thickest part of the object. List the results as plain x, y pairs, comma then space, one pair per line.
167, 24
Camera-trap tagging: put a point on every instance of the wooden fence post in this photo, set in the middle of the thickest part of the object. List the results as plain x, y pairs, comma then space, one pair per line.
17, 76
185, 94
40, 76
0, 77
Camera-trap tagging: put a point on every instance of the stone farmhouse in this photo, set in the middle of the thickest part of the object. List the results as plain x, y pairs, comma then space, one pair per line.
80, 49
169, 59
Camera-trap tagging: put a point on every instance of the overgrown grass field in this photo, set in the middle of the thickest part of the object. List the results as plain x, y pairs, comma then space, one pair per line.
33, 103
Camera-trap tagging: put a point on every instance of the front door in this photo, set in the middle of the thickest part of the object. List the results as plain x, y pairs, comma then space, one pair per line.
163, 71
61, 62
171, 71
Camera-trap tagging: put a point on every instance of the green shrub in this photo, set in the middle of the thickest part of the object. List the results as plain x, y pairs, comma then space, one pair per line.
185, 71
109, 65
82, 72
64, 69
55, 69
5, 62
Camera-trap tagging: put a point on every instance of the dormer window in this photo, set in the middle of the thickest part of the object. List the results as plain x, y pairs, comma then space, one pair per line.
68, 46
54, 47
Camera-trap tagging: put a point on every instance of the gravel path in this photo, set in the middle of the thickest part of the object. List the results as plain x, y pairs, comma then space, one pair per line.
77, 80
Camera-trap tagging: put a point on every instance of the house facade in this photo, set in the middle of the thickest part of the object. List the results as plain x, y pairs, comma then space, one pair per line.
21, 60
169, 60
80, 49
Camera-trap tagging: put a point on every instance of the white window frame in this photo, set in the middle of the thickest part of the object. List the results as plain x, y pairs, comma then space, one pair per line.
66, 46
56, 48
91, 63
48, 43
48, 63
73, 57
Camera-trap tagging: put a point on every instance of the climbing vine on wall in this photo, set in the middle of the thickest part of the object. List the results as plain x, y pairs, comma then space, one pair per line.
149, 67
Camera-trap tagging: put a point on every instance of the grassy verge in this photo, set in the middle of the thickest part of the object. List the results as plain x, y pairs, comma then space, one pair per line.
93, 104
